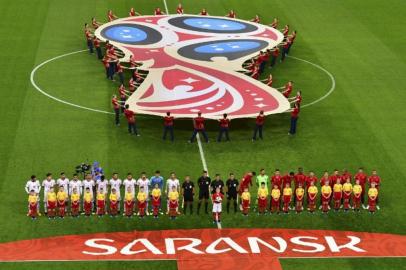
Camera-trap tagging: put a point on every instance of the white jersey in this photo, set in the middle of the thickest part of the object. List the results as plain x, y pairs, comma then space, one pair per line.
116, 184
144, 183
36, 186
129, 184
102, 185
47, 186
170, 183
75, 184
64, 183
88, 184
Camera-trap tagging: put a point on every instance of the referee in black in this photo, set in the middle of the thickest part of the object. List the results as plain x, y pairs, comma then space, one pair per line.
204, 182
188, 191
217, 183
232, 191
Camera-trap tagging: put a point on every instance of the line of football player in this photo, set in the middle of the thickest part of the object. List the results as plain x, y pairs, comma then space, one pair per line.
279, 193
254, 67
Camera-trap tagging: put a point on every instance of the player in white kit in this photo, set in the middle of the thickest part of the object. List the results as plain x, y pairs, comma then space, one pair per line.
33, 184
63, 181
129, 182
89, 183
47, 183
75, 183
102, 185
115, 183
170, 183
144, 182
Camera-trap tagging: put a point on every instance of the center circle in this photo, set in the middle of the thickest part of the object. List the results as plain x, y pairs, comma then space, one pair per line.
214, 24
227, 47
125, 34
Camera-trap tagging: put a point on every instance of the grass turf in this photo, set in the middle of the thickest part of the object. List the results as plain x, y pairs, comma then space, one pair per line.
360, 124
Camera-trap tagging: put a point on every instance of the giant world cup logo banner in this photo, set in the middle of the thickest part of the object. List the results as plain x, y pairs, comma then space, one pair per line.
193, 63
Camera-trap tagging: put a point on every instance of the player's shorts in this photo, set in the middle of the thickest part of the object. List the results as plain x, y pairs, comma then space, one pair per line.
204, 195
188, 197
232, 195
216, 207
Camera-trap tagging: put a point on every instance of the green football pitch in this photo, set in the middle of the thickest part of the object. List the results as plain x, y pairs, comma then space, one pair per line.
361, 43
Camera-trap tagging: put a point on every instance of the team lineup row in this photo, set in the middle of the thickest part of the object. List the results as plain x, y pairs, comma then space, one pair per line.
291, 191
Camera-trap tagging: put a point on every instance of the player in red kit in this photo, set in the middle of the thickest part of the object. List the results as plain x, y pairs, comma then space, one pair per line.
287, 179
224, 128
276, 179
199, 127
374, 178
231, 14
204, 12
179, 9
130, 115
133, 13
256, 19
246, 182
158, 11
259, 124
168, 126
362, 178
110, 16
294, 116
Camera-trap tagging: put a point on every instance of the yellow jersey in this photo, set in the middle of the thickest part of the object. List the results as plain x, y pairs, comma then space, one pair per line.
299, 192
156, 192
312, 190
338, 188
357, 189
326, 189
141, 196
347, 187
373, 192
276, 194
101, 197
173, 195
129, 196
75, 197
113, 197
51, 196
32, 199
87, 197
246, 196
287, 191
62, 196
263, 192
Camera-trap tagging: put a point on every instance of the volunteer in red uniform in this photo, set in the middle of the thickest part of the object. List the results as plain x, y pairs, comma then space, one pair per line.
96, 44
259, 124
288, 89
179, 9
168, 126
106, 64
110, 16
268, 81
362, 179
131, 85
255, 72
204, 12
294, 116
95, 23
133, 13
199, 127
275, 53
130, 115
296, 100
231, 14
256, 19
224, 128
123, 95
285, 31
292, 39
285, 48
158, 11
374, 178
274, 23
89, 39
120, 72
116, 106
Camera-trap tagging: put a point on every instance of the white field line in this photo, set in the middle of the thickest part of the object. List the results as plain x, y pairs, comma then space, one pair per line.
166, 7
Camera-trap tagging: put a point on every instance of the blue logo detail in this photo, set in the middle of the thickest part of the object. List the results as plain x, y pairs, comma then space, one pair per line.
125, 34
227, 47
214, 24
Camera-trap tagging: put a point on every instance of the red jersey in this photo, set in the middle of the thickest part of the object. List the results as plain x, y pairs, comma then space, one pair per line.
274, 24
293, 36
231, 15
255, 73
217, 197
224, 123
199, 123
111, 51
361, 177
276, 180
256, 20
121, 90
323, 180
285, 31
168, 121
246, 181
203, 13
158, 12
269, 82
345, 176
333, 179
288, 90
88, 35
94, 23
287, 179
131, 85
179, 10
96, 43
119, 68
260, 120
137, 76
287, 43
295, 113
130, 115
374, 179
110, 17
299, 99
114, 101
310, 179
106, 62
300, 179
275, 52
